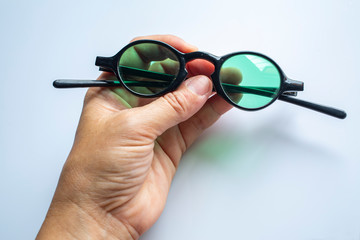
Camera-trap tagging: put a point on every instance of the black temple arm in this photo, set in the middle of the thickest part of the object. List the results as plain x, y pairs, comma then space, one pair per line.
163, 80
316, 107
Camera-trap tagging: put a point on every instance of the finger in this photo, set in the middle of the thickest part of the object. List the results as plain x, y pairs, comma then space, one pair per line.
140, 55
207, 116
175, 107
233, 76
153, 52
132, 58
176, 140
195, 67
167, 66
172, 40
200, 66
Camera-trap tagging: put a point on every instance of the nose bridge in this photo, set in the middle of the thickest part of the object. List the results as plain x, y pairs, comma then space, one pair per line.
201, 55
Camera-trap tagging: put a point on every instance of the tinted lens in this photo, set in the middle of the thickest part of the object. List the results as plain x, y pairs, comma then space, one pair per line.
250, 81
148, 68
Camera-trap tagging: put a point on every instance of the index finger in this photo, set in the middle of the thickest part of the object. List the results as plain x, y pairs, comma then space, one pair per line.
140, 55
172, 40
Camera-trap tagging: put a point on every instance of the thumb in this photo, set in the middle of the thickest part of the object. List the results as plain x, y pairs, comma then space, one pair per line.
177, 106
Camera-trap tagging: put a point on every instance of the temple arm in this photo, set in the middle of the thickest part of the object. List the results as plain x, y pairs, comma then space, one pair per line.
67, 83
267, 92
316, 107
163, 80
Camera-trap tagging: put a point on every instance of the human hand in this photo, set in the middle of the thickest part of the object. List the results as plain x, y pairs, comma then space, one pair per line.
115, 181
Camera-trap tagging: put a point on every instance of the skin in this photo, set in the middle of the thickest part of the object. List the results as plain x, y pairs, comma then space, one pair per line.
116, 179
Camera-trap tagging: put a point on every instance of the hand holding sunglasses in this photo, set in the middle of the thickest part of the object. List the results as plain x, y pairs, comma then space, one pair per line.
247, 80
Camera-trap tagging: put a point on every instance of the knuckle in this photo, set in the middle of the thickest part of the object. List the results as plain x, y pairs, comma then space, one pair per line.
183, 141
204, 119
177, 102
200, 123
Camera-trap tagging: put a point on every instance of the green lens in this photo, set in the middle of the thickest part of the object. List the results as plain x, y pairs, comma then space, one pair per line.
148, 68
249, 80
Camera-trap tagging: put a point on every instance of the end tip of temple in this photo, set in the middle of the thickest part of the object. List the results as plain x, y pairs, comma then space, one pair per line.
335, 112
56, 84
341, 114
60, 83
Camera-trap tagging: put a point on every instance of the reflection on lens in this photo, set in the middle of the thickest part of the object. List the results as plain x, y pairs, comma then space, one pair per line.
148, 68
250, 81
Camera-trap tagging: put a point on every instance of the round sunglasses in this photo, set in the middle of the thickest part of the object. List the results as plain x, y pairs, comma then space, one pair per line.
247, 80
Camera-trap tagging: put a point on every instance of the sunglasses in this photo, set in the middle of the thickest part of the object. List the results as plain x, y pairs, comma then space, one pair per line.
247, 80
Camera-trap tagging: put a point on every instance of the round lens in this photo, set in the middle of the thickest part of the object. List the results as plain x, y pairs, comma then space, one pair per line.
250, 81
148, 68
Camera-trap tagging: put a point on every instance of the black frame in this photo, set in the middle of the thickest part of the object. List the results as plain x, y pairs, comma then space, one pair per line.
288, 87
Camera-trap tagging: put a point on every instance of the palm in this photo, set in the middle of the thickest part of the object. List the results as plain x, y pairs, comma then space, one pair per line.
136, 176
135, 183
148, 198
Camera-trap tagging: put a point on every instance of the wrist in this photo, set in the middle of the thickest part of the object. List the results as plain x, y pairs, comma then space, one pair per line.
70, 221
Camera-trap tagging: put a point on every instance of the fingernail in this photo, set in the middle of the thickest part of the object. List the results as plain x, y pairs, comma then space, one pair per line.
199, 85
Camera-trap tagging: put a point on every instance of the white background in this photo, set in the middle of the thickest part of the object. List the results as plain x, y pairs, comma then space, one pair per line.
281, 173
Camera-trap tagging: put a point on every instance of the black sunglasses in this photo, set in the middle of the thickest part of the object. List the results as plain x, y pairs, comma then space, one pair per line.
246, 80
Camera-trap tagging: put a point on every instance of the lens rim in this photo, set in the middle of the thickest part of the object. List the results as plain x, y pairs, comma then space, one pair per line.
174, 84
221, 91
